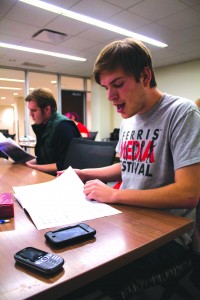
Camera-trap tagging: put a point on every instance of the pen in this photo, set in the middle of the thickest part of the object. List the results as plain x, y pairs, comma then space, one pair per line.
4, 221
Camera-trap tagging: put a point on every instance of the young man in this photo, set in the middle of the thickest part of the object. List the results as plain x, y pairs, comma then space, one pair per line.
159, 143
53, 132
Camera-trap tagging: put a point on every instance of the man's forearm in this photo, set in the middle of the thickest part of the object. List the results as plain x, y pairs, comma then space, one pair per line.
170, 196
105, 174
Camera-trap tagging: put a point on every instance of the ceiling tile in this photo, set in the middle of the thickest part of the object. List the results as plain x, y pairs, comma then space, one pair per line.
95, 9
157, 9
128, 20
181, 20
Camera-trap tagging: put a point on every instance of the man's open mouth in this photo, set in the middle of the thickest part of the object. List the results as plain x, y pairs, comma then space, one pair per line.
120, 107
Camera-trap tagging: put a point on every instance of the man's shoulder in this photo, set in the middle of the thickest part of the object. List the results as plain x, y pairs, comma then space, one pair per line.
178, 100
177, 104
67, 125
59, 120
56, 116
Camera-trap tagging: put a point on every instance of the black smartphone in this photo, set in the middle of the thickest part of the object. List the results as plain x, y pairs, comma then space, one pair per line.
39, 260
69, 235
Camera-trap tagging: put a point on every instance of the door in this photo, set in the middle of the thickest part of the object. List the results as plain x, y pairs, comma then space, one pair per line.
73, 101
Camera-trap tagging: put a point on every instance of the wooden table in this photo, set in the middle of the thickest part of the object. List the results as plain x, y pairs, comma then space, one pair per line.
120, 239
27, 145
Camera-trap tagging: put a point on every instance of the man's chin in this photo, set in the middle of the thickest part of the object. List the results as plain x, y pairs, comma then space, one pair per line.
124, 116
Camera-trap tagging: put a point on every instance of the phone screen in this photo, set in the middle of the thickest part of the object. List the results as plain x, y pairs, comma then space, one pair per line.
71, 233
32, 254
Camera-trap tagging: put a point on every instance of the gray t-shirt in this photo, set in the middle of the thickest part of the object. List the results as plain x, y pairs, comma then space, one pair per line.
155, 144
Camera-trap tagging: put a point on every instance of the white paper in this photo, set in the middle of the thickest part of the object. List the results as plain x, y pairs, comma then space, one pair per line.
60, 201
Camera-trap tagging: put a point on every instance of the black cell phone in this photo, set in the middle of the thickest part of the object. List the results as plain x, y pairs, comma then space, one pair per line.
69, 235
39, 260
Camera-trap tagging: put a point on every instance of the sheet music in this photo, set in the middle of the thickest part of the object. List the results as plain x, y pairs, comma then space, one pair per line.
60, 201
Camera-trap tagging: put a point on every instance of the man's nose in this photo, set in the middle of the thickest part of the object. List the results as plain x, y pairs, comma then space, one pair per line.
112, 94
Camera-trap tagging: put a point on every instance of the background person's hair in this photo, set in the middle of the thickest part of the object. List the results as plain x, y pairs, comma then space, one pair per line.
76, 116
197, 102
128, 54
43, 97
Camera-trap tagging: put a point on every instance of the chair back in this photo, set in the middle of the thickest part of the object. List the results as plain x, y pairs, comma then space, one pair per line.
114, 136
196, 234
86, 153
93, 135
5, 132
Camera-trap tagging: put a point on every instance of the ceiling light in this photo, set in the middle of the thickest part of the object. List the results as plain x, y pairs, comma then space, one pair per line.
9, 79
9, 88
38, 51
92, 21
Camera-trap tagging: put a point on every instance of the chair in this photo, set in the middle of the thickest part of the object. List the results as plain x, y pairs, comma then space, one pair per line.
5, 132
93, 135
168, 277
195, 275
86, 153
114, 135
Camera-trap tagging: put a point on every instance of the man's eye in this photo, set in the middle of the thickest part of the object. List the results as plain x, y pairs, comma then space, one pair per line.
118, 85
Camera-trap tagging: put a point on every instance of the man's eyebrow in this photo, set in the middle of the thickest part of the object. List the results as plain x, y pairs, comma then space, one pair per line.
114, 80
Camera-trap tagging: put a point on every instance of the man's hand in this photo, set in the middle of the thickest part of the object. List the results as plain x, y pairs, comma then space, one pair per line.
97, 190
31, 163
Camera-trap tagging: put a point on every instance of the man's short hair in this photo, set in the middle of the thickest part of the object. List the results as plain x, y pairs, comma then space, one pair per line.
43, 97
128, 54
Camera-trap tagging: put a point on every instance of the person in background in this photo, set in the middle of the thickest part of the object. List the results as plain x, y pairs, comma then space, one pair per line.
197, 102
82, 128
53, 131
159, 147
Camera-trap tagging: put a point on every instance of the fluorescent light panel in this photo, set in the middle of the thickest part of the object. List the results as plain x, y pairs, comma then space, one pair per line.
9, 88
13, 80
92, 21
38, 51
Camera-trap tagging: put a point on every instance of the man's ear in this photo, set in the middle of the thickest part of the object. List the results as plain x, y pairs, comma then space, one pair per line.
47, 109
146, 76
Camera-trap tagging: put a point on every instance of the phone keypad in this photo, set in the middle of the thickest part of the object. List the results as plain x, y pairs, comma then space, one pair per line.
48, 261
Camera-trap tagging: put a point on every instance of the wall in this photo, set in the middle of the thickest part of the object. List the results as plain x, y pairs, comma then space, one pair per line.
100, 111
181, 79
7, 118
19, 118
